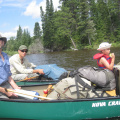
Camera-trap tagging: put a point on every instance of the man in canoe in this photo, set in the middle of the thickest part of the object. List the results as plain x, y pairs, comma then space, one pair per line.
104, 58
20, 67
6, 80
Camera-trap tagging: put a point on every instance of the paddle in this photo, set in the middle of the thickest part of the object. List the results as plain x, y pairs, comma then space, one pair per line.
40, 97
28, 78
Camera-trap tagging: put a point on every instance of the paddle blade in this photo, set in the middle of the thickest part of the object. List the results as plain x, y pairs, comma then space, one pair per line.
27, 94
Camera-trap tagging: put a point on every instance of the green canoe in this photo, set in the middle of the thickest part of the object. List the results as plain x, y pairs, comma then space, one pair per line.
35, 82
72, 109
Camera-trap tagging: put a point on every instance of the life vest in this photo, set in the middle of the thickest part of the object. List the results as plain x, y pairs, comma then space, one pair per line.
98, 57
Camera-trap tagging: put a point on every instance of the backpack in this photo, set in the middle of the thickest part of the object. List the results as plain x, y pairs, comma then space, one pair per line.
102, 78
52, 71
67, 89
78, 84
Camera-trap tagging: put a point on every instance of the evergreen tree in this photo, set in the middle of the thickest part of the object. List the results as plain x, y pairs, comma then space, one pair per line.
85, 25
26, 40
48, 25
62, 32
37, 31
19, 33
18, 38
10, 44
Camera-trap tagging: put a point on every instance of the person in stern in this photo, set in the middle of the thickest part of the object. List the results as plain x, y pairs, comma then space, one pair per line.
104, 58
20, 67
6, 81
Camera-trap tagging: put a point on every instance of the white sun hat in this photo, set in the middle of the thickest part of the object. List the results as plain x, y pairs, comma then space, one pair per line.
104, 45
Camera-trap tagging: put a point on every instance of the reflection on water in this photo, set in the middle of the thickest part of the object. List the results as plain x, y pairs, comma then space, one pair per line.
70, 60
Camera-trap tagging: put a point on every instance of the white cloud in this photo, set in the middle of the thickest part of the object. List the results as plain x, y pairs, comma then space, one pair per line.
16, 28
56, 4
25, 27
8, 34
33, 9
13, 32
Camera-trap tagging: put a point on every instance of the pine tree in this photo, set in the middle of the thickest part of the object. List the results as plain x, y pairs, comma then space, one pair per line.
37, 31
18, 37
19, 33
48, 25
26, 40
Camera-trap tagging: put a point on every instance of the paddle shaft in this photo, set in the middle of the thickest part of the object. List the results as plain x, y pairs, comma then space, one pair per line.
28, 78
40, 97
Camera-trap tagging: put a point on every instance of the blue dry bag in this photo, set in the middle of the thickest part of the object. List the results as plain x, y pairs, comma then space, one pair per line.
52, 71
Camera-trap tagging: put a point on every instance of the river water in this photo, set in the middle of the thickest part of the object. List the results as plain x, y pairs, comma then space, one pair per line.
70, 60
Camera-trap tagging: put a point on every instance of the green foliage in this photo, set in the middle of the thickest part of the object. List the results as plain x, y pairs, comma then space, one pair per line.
88, 47
116, 44
23, 38
48, 25
10, 53
37, 31
78, 24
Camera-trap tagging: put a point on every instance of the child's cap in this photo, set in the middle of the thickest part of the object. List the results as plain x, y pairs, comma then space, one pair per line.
104, 45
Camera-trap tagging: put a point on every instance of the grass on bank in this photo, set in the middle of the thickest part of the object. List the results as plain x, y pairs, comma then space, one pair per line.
95, 46
10, 53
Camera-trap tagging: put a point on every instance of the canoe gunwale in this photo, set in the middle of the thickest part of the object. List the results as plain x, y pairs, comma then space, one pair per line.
38, 84
59, 101
40, 81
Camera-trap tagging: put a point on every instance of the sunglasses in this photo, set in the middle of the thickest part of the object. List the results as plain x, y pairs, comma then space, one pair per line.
24, 51
1, 38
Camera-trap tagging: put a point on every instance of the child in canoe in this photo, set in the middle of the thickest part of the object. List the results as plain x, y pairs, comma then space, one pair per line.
104, 58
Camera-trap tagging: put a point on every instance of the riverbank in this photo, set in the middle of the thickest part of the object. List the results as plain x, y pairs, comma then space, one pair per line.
95, 46
10, 53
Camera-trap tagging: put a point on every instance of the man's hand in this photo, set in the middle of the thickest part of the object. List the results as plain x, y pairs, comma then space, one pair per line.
11, 94
40, 71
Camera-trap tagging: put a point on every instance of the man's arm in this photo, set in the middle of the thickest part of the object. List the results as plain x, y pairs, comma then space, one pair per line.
13, 84
9, 94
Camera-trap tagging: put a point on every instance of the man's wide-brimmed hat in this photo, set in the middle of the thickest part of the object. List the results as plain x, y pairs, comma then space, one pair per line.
104, 46
3, 38
22, 47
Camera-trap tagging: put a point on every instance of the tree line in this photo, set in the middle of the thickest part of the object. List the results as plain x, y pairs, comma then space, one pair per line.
77, 23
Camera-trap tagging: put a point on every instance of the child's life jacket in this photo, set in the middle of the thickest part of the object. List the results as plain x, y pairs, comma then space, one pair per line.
98, 57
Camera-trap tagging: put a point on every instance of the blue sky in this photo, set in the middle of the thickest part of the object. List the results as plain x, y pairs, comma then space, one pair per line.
20, 12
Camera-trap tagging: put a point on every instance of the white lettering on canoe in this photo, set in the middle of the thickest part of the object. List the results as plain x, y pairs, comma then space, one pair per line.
103, 104
100, 104
113, 103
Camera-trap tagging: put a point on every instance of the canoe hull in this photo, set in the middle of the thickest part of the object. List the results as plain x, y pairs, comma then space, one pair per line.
60, 110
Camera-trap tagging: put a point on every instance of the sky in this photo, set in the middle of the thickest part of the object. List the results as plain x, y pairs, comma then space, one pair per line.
20, 12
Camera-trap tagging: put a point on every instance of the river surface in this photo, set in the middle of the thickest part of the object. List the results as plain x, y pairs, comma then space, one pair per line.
70, 60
